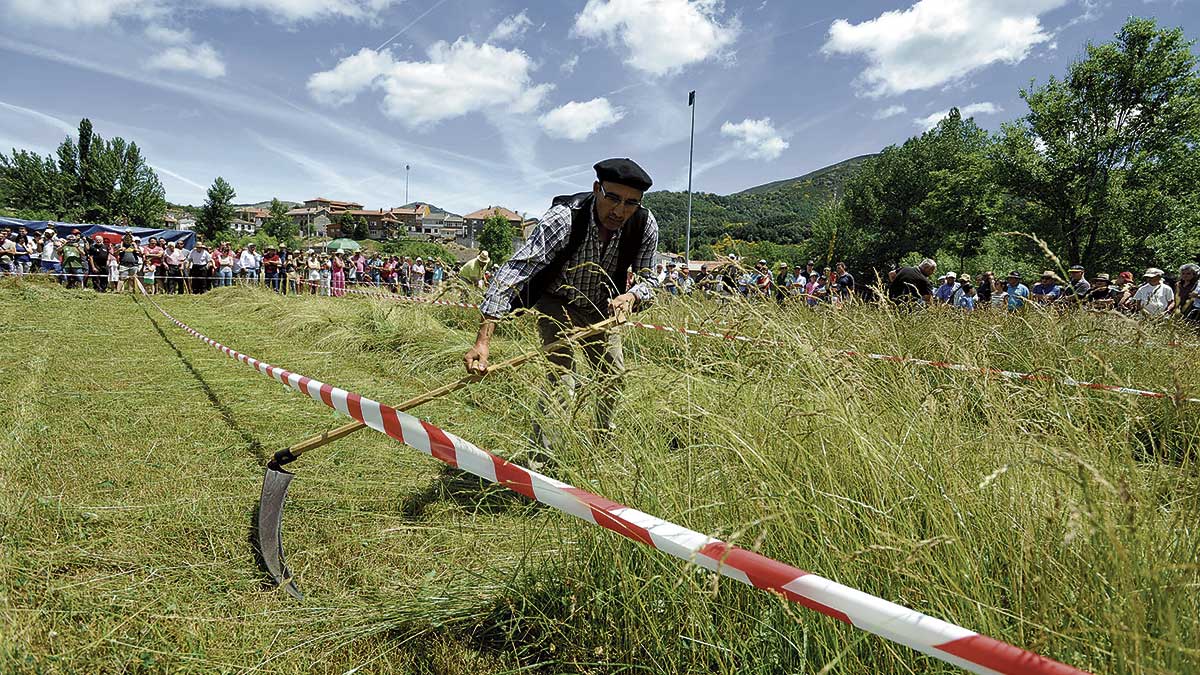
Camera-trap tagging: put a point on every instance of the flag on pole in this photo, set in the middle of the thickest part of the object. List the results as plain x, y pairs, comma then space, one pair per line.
692, 98
407, 167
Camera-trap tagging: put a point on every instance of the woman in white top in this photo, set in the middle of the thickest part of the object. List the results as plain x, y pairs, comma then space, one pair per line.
312, 268
418, 277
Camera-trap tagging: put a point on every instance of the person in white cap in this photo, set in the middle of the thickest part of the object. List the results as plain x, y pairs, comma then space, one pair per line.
418, 277
1153, 297
945, 292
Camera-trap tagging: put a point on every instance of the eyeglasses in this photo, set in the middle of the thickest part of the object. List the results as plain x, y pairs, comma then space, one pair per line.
617, 201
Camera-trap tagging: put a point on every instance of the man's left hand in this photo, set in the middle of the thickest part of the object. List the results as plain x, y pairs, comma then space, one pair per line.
622, 305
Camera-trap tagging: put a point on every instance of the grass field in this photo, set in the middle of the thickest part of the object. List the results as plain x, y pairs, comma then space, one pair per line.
1061, 520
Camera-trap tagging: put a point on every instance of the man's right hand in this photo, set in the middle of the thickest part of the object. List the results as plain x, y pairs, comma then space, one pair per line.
476, 359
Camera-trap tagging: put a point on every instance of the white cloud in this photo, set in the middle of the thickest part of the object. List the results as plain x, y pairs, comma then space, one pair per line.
576, 121
890, 111
934, 42
168, 36
79, 13
458, 79
200, 60
756, 139
662, 36
927, 123
511, 28
568, 66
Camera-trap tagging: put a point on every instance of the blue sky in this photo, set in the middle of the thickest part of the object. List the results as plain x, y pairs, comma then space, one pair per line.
511, 102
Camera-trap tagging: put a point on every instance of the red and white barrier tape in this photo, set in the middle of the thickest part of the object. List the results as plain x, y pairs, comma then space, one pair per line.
942, 640
1012, 375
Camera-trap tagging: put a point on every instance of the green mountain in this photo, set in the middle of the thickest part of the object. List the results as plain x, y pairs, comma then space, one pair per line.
267, 205
821, 182
779, 212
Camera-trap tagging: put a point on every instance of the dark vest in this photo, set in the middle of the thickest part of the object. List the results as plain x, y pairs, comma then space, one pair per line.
581, 219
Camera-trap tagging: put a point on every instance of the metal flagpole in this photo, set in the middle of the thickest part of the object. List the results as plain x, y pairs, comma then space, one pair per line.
687, 247
406, 168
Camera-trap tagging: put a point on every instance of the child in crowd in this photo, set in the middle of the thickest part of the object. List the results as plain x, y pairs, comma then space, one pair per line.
966, 297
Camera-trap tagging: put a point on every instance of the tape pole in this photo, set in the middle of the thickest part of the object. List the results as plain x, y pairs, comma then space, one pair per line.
939, 639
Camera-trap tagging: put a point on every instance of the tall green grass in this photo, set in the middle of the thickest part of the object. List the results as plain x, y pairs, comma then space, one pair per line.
1059, 519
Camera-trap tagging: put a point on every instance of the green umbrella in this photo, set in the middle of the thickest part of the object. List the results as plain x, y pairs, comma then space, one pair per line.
342, 245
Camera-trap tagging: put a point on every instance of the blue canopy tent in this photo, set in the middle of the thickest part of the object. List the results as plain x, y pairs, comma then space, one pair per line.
184, 237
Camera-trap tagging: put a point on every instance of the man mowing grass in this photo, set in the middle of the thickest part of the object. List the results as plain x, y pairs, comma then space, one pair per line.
574, 272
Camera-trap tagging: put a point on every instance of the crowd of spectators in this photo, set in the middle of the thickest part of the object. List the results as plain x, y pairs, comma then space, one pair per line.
1155, 297
802, 283
169, 267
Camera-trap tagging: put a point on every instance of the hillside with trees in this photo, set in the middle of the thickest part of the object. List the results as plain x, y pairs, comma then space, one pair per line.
782, 212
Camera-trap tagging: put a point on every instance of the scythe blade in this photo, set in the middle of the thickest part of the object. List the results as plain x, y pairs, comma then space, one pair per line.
270, 527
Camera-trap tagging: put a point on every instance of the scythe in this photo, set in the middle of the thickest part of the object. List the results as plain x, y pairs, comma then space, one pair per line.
268, 531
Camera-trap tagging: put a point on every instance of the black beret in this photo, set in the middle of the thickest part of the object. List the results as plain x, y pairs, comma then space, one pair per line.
623, 172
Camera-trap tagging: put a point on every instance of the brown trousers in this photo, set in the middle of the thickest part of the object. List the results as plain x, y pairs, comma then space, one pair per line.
603, 353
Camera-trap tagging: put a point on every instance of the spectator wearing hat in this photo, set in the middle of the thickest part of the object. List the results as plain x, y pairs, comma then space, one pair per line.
685, 280
50, 244
1016, 292
1047, 290
200, 263
293, 269
1187, 294
1154, 297
911, 284
418, 276
1079, 288
312, 271
945, 292
1125, 288
573, 270
472, 272
1103, 295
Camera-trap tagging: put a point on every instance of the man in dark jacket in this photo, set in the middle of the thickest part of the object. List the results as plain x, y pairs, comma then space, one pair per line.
573, 271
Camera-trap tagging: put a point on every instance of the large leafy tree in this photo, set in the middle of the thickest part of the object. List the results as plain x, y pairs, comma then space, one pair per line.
279, 225
496, 237
1106, 157
931, 192
217, 212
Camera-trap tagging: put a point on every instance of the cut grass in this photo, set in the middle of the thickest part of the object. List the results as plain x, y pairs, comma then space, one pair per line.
1058, 519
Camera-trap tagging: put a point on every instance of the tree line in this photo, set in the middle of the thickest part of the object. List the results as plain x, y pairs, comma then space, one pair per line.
87, 180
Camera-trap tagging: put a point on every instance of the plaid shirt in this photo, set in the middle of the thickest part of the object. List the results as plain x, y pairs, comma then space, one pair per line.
587, 278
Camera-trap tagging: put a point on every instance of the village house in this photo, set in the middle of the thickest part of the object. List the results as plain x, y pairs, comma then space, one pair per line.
252, 214
242, 227
332, 205
313, 221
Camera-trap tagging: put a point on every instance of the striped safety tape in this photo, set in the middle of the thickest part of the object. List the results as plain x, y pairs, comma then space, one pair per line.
1012, 375
945, 641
